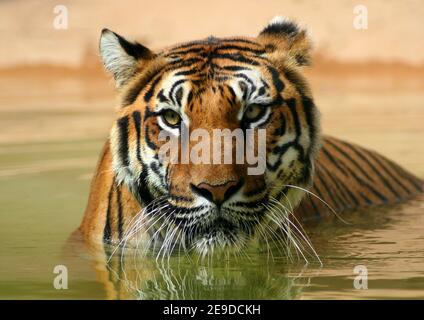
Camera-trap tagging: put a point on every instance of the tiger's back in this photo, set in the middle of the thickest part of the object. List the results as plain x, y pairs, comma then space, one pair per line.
350, 177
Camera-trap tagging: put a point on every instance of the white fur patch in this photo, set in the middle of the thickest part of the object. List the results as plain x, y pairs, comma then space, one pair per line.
278, 20
115, 59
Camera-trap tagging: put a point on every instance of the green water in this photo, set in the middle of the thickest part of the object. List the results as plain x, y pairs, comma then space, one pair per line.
43, 192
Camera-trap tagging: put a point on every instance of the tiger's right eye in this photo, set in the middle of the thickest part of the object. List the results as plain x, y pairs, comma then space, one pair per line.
171, 118
253, 113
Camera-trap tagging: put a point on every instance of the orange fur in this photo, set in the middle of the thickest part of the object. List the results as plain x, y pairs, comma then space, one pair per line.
346, 176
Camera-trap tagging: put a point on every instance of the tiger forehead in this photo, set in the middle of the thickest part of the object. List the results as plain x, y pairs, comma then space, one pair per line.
213, 45
214, 57
232, 85
207, 64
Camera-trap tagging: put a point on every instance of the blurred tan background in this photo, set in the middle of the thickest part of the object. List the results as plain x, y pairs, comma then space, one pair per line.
26, 26
368, 84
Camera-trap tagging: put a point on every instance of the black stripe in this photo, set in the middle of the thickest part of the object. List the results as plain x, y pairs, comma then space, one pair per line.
241, 48
183, 210
187, 45
350, 159
310, 109
137, 124
161, 97
360, 180
249, 204
279, 131
123, 140
318, 191
297, 80
221, 78
174, 85
189, 98
282, 192
333, 161
120, 216
235, 68
131, 94
179, 96
377, 172
291, 103
107, 231
185, 52
144, 194
366, 199
317, 212
252, 85
239, 40
254, 192
233, 97
147, 139
261, 91
346, 192
187, 72
306, 175
134, 49
346, 188
148, 113
416, 182
183, 63
278, 84
332, 195
179, 198
281, 150
148, 95
389, 172
155, 169
236, 58
195, 44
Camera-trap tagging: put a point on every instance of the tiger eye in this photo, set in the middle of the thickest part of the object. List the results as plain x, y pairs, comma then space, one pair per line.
171, 118
253, 112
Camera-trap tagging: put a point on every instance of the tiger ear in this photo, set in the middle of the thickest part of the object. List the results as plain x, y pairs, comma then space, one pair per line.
121, 57
286, 42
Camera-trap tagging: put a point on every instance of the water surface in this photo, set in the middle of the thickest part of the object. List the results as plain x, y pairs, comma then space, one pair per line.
49, 146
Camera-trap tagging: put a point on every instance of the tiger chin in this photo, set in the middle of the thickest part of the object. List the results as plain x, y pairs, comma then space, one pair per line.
237, 83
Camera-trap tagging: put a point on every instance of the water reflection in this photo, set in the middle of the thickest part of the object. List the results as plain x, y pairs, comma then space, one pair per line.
252, 276
374, 242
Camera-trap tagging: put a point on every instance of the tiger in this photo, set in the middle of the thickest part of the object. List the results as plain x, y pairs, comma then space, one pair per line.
247, 83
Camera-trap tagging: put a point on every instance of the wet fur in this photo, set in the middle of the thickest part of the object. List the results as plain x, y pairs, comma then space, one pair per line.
325, 176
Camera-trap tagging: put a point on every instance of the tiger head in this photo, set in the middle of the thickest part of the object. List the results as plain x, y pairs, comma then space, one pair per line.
236, 84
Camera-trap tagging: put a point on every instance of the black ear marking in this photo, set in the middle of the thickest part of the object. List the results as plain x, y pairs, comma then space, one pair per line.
121, 57
281, 27
133, 49
286, 41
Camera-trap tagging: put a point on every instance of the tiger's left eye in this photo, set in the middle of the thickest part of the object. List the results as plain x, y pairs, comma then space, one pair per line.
171, 118
254, 112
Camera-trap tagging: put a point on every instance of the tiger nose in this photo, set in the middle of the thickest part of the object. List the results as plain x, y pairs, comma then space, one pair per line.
217, 194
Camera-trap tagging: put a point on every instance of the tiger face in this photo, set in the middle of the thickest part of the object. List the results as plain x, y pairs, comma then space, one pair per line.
227, 85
